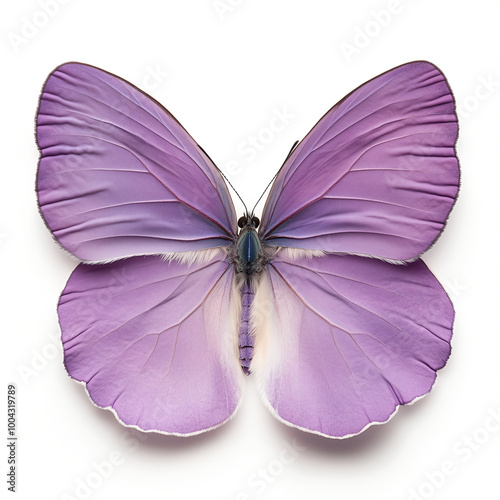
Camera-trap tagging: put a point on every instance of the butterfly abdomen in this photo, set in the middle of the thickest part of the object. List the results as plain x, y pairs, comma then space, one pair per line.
246, 342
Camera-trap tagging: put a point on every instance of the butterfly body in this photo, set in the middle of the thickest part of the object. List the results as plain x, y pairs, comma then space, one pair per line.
249, 263
325, 300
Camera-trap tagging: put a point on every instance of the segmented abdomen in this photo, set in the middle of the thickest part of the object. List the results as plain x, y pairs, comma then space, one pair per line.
245, 338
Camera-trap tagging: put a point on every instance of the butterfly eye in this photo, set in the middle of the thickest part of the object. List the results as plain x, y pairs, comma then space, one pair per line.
242, 221
255, 221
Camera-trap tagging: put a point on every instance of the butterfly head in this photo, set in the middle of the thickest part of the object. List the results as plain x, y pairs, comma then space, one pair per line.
248, 221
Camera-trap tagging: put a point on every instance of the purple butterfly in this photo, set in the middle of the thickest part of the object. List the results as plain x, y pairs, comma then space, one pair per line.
325, 300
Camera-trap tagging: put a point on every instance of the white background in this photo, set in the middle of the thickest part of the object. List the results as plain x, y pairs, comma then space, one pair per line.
223, 74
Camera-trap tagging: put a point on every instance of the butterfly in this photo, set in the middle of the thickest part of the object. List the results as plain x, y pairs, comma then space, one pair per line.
325, 300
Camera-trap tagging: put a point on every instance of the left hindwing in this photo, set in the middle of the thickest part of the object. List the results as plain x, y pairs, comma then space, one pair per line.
154, 341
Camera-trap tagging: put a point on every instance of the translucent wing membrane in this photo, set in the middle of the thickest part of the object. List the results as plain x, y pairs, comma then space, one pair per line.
378, 173
154, 341
119, 176
349, 339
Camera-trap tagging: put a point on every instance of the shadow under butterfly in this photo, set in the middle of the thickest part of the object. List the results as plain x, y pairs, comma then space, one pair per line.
325, 300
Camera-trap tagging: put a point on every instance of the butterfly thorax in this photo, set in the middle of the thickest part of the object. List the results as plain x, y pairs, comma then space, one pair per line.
249, 251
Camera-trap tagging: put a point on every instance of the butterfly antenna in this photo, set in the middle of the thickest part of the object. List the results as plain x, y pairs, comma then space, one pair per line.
226, 179
276, 175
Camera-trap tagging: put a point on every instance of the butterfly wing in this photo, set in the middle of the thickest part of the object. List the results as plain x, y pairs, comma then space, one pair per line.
155, 341
345, 340
119, 176
378, 173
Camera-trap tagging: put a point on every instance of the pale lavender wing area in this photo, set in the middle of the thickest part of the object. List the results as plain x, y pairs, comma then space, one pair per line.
377, 175
351, 339
119, 176
154, 341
